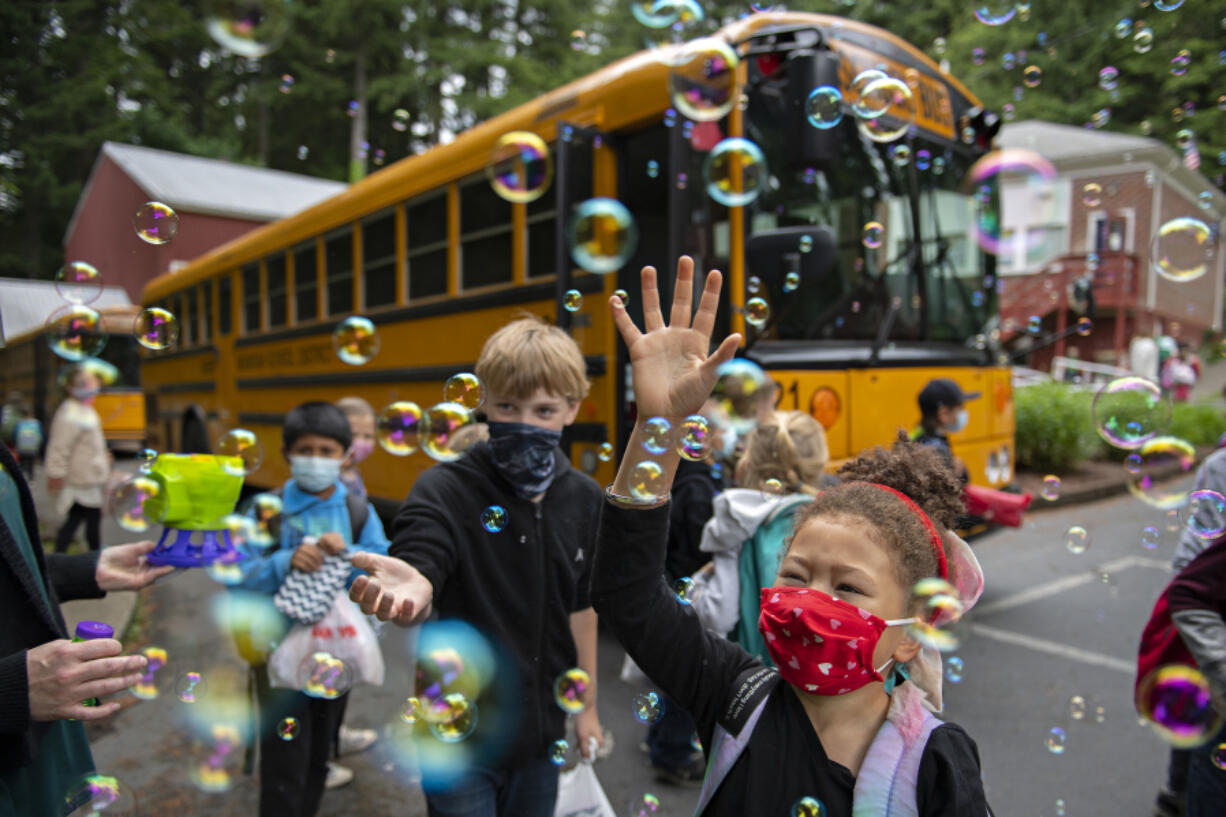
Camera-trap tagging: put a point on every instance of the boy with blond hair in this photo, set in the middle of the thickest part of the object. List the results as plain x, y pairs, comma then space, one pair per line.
524, 586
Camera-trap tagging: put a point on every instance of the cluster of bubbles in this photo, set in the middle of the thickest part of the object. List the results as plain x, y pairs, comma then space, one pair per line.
98, 793
569, 690
938, 614
648, 707
443, 431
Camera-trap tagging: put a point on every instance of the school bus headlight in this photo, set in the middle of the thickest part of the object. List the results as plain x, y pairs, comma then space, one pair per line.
1006, 464
825, 406
992, 469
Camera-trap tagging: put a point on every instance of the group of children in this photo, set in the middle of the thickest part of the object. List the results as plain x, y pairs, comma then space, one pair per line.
823, 694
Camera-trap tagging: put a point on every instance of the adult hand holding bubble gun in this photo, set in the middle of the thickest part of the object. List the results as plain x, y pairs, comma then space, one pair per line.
126, 567
672, 373
394, 590
62, 675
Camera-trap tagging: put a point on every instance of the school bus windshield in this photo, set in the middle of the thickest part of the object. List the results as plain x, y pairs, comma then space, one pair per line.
894, 227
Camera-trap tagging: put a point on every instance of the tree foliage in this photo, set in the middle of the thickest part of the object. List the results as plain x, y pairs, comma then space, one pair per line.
77, 72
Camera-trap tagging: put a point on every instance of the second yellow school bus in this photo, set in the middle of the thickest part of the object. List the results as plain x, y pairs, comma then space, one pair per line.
426, 249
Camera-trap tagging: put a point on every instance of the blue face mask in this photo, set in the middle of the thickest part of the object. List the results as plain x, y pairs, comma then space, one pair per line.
524, 455
314, 474
961, 418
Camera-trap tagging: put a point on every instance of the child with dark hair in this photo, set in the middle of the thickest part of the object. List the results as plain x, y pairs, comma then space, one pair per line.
847, 718
943, 411
319, 520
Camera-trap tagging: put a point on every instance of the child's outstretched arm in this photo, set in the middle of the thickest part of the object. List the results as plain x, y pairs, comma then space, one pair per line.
672, 377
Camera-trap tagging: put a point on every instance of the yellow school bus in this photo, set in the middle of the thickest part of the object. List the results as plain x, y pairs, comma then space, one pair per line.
31, 375
428, 251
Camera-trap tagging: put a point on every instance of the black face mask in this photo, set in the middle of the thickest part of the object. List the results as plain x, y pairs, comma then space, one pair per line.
524, 455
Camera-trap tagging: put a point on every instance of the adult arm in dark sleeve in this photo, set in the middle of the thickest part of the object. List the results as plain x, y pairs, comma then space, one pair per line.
75, 576
1197, 597
14, 694
664, 637
423, 533
949, 783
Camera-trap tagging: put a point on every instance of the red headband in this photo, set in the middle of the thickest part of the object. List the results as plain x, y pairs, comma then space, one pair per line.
938, 547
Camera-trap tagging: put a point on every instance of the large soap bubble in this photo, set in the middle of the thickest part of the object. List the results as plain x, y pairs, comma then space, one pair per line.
1130, 411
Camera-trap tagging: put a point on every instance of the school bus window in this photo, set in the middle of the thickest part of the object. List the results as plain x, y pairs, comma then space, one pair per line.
542, 214
206, 311
427, 247
485, 235
188, 326
306, 283
379, 260
338, 254
224, 305
274, 271
251, 298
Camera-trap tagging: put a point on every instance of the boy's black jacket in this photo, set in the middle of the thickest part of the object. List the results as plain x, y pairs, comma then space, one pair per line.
517, 586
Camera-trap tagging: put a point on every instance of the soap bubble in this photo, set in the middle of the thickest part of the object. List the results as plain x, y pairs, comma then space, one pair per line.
248, 28
939, 614
400, 120
1150, 537
191, 687
466, 389
655, 14
1182, 249
138, 504
647, 481
288, 728
1109, 78
1217, 756
900, 154
791, 282
411, 710
886, 110
806, 243
1143, 40
1162, 458
456, 718
1031, 175
735, 172
1130, 411
398, 428
445, 429
824, 107
569, 689
356, 340
977, 55
1084, 326
995, 12
156, 328
657, 435
953, 669
808, 807
1204, 514
78, 282
218, 759
773, 489
648, 707
872, 235
602, 235
1077, 707
1180, 62
97, 793
1178, 703
157, 223
646, 805
757, 312
494, 518
1167, 5
241, 451
323, 675
557, 752
1051, 487
572, 301
1076, 540
303, 152
520, 167
605, 452
623, 296
1055, 740
695, 440
1092, 194
686, 590
1032, 75
578, 39
742, 393
702, 79
75, 332
1123, 28
151, 684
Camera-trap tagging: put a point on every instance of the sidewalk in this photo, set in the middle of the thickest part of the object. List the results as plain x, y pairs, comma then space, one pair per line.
113, 608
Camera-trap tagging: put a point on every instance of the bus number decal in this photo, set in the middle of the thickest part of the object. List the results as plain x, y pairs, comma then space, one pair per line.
781, 391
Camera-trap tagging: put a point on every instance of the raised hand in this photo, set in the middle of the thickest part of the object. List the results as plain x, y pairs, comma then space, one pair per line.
394, 590
672, 373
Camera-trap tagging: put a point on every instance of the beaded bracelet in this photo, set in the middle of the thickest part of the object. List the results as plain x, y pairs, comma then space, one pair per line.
632, 502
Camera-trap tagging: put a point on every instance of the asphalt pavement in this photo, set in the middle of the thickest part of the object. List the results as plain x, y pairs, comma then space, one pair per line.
1052, 625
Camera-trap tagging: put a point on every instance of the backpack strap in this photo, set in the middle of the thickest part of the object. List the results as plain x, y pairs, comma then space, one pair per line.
886, 785
358, 508
734, 729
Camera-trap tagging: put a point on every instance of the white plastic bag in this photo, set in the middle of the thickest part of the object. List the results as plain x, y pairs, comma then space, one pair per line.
580, 795
343, 632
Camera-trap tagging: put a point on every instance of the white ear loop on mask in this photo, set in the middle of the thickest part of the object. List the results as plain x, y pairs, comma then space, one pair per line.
895, 622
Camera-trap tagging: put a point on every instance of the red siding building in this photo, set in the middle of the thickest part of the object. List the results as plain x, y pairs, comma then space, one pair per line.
216, 201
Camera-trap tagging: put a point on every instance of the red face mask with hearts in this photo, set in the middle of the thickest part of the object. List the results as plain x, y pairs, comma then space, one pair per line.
819, 643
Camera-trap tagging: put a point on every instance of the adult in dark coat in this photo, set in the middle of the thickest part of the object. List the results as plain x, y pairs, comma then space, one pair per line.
44, 677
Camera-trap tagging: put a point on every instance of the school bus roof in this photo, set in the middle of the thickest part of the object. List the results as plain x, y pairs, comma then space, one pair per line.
623, 93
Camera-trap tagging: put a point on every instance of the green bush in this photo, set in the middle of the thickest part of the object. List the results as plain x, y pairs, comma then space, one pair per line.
1199, 423
1055, 429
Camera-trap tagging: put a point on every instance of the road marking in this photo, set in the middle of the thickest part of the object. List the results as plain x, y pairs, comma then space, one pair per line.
1030, 642
1056, 586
